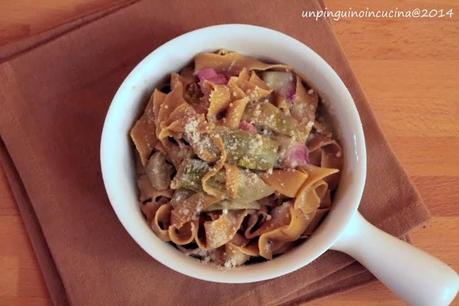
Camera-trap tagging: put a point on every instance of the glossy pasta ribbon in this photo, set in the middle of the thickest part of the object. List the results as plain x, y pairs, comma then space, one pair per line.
305, 195
221, 230
286, 233
286, 182
143, 133
231, 62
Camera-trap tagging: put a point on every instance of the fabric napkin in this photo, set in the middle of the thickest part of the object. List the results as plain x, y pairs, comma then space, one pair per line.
54, 95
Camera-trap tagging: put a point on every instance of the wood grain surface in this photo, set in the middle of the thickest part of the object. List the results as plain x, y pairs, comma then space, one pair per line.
409, 70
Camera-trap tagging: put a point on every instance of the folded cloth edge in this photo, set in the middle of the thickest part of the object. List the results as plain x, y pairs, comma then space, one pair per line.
15, 48
45, 260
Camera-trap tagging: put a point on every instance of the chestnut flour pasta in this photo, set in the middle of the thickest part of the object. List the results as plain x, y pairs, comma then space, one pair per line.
237, 161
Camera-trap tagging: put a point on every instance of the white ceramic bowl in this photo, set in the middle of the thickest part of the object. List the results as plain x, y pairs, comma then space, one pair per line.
337, 230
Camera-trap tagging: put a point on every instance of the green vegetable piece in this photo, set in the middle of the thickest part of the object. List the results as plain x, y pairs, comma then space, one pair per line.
247, 150
269, 116
252, 188
189, 175
192, 171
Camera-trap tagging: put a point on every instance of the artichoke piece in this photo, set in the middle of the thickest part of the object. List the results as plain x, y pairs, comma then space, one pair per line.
159, 171
247, 150
190, 174
269, 116
252, 188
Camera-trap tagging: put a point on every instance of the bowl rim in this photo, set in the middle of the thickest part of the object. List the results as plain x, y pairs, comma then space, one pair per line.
328, 233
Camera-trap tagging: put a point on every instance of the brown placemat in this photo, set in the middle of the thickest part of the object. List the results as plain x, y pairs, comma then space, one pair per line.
54, 98
20, 46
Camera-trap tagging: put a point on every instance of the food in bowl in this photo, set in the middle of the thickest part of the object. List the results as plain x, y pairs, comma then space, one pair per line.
237, 161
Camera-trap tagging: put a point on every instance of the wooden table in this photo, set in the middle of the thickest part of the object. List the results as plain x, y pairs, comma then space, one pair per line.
409, 70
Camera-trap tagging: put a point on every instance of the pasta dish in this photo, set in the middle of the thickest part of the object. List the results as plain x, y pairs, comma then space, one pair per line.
237, 161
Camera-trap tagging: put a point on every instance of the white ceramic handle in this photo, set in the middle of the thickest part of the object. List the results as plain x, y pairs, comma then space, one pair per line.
418, 278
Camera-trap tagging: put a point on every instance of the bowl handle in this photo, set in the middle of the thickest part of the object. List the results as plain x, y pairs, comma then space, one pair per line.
418, 278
